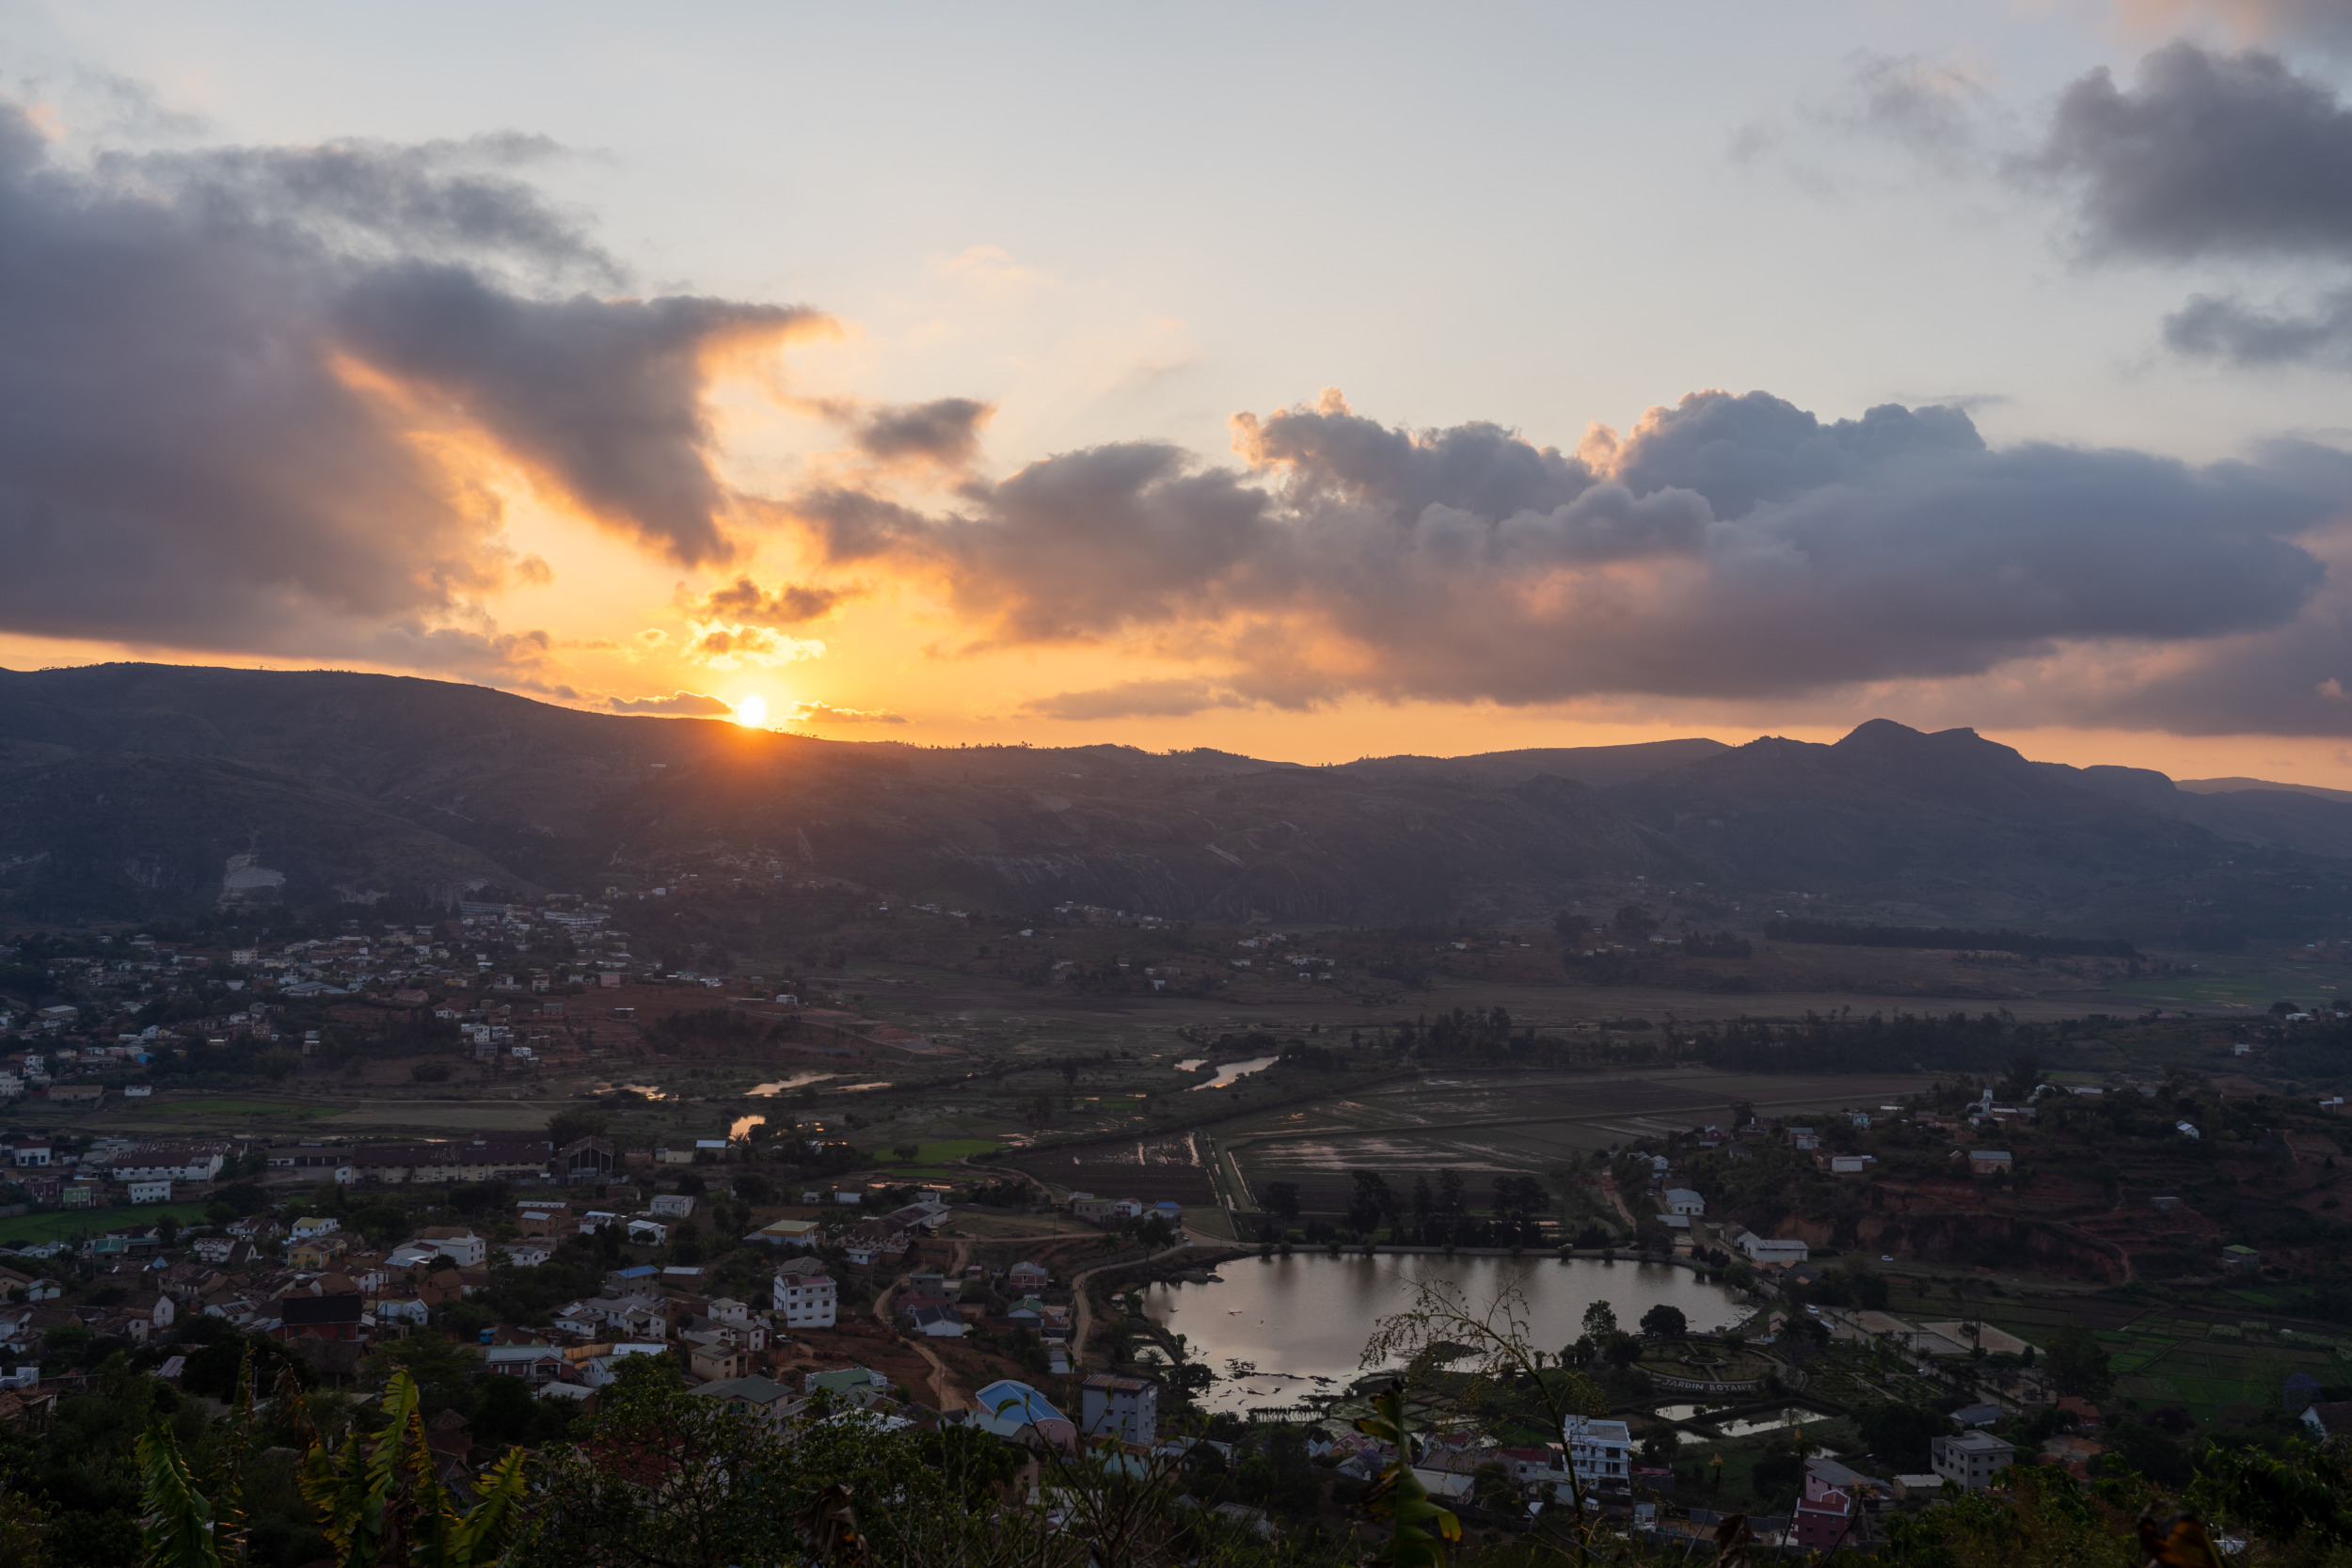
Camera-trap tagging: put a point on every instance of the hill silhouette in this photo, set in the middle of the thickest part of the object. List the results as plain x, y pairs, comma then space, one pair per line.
135, 789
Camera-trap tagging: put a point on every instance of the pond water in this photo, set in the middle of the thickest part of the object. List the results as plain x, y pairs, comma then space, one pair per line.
1300, 1323
742, 1127
1770, 1420
796, 1081
1231, 1073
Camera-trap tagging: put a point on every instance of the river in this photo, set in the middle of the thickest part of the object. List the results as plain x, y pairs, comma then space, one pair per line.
1303, 1321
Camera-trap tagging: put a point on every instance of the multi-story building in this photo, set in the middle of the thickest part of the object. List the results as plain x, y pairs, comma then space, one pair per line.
1600, 1453
1127, 1408
1971, 1458
805, 1293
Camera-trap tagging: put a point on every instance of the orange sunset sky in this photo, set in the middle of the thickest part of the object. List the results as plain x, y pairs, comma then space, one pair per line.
1314, 385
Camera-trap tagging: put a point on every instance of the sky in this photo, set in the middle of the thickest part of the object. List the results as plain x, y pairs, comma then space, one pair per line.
1314, 382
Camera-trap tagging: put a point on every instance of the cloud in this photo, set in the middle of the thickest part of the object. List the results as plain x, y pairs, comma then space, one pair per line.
1140, 699
744, 602
233, 374
945, 432
731, 647
2327, 23
1732, 545
2204, 155
825, 713
2227, 328
679, 705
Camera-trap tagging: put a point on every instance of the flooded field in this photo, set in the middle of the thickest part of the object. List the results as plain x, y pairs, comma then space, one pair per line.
1296, 1326
1484, 1126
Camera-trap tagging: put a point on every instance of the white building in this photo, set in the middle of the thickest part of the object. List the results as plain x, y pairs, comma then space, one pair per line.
1600, 1453
1127, 1408
149, 1192
806, 1294
1682, 1200
1758, 1249
461, 1247
1971, 1458
310, 1225
169, 1163
675, 1205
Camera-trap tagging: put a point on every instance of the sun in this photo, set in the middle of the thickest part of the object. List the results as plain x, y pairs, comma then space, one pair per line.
752, 711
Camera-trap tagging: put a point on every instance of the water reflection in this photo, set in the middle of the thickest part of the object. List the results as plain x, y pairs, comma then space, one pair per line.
1304, 1319
797, 1080
1771, 1421
1231, 1072
742, 1127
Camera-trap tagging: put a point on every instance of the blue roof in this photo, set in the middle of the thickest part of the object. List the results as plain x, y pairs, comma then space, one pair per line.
1005, 1404
639, 1272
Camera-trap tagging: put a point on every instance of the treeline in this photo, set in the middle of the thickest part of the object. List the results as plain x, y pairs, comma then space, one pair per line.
1487, 1036
1825, 933
1819, 1043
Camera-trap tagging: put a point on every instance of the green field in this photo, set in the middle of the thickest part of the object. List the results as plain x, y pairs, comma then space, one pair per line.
954, 1149
64, 1224
2237, 985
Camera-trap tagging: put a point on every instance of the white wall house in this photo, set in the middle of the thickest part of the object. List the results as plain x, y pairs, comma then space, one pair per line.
1599, 1452
1759, 1249
1682, 1200
806, 1294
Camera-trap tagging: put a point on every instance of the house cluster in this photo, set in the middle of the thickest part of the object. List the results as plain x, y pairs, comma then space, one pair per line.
97, 1173
945, 1307
1113, 1212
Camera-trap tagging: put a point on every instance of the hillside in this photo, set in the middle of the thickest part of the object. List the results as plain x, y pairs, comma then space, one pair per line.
127, 790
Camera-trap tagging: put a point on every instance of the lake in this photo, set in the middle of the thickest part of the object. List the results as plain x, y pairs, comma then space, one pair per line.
1228, 1073
1305, 1318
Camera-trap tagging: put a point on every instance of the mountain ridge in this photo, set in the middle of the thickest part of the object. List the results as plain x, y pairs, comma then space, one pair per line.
126, 790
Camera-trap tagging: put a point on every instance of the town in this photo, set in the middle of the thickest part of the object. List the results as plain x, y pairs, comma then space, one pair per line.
1913, 1282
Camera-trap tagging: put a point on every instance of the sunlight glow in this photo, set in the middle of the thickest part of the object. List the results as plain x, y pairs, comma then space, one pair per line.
752, 711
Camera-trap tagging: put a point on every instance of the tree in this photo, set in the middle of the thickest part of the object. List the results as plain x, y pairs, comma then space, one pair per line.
1778, 1472
1662, 1322
576, 1122
906, 1152
1419, 1529
1899, 1434
1634, 924
1600, 1320
2077, 1365
1281, 1198
1492, 1347
1371, 1199
1190, 1377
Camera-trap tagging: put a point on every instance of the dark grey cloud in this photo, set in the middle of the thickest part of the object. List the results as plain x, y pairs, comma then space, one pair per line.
746, 603
602, 396
946, 430
2227, 328
195, 447
1728, 546
677, 705
2205, 154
